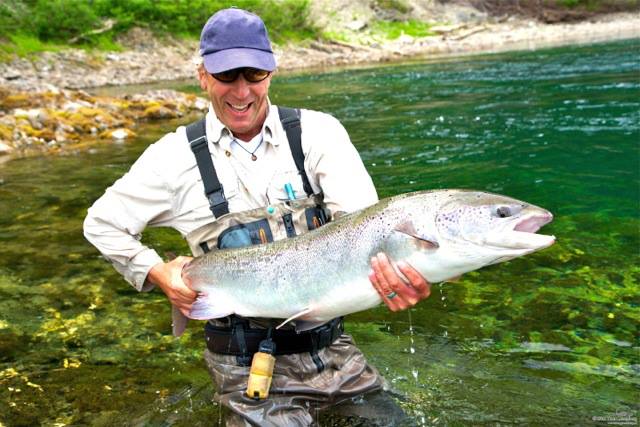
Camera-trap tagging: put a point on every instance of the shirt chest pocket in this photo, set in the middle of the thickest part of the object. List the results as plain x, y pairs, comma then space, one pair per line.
195, 198
286, 186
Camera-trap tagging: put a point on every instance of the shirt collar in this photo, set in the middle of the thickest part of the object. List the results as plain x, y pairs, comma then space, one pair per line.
218, 133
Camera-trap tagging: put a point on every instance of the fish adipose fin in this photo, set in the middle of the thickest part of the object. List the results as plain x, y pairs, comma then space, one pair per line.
208, 307
307, 310
424, 242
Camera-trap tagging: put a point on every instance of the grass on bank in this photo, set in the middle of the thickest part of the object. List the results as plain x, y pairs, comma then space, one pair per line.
31, 26
380, 31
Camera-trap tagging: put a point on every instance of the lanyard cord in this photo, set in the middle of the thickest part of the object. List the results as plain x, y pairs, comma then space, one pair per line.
253, 155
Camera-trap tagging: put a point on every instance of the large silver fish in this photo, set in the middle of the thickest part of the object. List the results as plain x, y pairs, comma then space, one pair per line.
324, 274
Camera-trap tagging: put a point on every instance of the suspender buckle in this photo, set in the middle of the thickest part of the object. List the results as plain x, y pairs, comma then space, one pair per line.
216, 198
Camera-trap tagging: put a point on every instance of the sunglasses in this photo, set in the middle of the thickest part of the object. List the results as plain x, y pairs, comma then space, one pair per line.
252, 75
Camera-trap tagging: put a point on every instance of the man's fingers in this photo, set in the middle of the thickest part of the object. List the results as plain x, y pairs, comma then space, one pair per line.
396, 283
381, 291
418, 283
387, 293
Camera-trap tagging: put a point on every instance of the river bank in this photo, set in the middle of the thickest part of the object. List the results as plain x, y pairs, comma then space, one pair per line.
148, 59
42, 111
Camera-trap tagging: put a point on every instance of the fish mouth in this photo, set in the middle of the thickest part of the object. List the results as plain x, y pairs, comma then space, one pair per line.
523, 235
533, 223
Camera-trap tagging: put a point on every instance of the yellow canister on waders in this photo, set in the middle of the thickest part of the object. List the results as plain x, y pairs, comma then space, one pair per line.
261, 370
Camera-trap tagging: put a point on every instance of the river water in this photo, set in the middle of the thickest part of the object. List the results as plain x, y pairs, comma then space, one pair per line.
548, 339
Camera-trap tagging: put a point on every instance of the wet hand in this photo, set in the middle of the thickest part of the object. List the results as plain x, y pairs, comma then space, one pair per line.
168, 277
397, 292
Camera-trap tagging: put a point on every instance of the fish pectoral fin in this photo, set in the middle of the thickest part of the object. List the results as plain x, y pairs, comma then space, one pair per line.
424, 242
208, 306
178, 321
306, 310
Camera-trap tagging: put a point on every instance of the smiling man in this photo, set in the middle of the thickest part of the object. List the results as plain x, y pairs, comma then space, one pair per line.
251, 173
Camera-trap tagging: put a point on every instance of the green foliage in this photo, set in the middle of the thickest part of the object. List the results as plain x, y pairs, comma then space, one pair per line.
64, 20
392, 29
597, 5
570, 3
12, 14
23, 44
399, 5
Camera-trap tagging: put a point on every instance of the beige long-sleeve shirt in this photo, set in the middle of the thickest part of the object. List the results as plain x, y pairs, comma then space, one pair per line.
163, 188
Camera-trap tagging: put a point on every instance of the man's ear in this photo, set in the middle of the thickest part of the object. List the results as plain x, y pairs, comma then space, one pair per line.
202, 77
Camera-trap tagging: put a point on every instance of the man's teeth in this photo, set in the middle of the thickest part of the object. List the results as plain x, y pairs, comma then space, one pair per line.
239, 107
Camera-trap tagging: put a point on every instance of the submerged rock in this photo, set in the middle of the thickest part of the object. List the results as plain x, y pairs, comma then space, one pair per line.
118, 134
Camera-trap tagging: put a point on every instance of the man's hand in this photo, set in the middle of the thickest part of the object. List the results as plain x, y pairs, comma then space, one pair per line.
396, 292
168, 277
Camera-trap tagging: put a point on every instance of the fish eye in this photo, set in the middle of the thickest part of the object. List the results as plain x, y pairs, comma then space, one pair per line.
503, 211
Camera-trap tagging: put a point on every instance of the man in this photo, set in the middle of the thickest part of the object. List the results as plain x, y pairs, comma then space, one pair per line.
249, 173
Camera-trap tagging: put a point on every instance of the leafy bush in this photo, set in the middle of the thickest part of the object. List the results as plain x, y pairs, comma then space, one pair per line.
12, 13
63, 20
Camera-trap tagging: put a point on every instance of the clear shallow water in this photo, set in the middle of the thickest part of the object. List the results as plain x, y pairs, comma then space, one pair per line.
549, 339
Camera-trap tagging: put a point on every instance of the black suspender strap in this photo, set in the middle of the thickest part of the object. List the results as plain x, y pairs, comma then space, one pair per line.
197, 136
290, 119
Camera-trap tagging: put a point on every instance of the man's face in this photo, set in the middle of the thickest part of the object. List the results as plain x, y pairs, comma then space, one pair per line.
239, 105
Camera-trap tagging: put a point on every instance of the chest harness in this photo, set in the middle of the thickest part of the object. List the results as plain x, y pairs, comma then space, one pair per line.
235, 335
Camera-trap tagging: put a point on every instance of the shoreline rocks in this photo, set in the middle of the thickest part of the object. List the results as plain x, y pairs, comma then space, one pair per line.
57, 120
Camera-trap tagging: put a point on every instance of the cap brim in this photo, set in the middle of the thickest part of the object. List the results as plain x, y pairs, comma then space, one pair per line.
230, 59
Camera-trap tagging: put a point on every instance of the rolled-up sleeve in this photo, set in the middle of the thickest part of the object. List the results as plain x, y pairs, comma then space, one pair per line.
115, 222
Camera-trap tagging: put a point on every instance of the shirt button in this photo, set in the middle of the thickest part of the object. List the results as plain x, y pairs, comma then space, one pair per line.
227, 153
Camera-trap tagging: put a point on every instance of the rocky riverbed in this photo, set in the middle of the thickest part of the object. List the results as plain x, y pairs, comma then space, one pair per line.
43, 109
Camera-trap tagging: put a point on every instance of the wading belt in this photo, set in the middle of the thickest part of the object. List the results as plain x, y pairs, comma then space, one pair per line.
240, 340
197, 136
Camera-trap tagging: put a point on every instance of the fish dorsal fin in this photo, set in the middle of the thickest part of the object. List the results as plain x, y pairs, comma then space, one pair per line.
424, 242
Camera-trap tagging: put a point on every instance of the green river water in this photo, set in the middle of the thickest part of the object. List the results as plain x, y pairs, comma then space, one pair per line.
548, 339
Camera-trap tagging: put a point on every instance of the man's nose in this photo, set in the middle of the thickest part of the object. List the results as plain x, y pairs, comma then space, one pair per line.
240, 87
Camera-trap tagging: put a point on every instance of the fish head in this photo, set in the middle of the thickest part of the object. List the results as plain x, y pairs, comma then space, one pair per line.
498, 227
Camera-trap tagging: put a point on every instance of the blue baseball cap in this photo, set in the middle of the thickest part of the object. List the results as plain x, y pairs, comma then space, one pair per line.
234, 38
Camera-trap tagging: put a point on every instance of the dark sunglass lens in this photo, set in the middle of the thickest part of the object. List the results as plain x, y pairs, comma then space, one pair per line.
227, 76
254, 75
